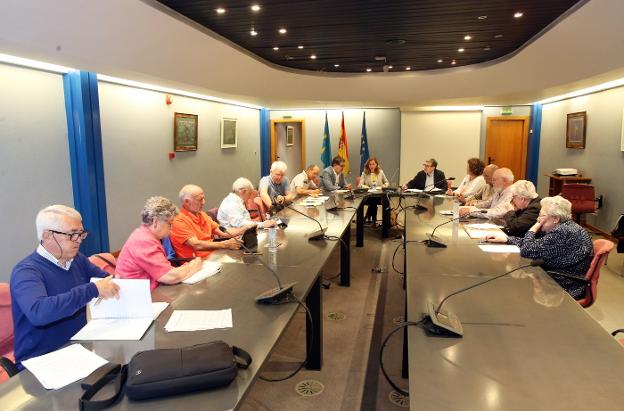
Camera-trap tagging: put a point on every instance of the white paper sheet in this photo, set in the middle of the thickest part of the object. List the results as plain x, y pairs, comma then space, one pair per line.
209, 268
483, 226
446, 212
158, 308
193, 320
116, 329
134, 301
499, 248
62, 367
414, 190
481, 234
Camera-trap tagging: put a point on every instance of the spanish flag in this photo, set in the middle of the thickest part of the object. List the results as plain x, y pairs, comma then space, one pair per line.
343, 148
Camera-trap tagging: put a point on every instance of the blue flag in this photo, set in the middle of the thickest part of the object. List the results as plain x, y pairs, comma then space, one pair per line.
326, 146
363, 145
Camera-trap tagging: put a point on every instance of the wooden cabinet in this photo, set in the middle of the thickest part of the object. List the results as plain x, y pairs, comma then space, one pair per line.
557, 181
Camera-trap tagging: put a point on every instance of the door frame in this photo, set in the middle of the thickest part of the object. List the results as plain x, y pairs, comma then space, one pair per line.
274, 123
525, 139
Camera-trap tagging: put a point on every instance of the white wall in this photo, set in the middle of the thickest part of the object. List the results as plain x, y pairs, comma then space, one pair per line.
137, 135
382, 128
449, 137
34, 159
602, 159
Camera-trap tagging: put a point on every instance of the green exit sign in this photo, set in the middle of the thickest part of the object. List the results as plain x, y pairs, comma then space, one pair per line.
286, 116
506, 111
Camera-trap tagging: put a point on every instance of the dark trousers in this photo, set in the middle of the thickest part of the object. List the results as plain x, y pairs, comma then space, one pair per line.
372, 203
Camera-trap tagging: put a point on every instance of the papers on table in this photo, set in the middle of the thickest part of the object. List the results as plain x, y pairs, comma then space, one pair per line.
314, 201
62, 367
483, 226
341, 191
125, 319
499, 248
413, 190
209, 268
482, 232
194, 320
446, 212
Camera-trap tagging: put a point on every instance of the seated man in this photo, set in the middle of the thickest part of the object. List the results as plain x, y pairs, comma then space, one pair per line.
51, 287
526, 204
193, 231
332, 178
480, 198
274, 188
143, 255
303, 183
429, 178
233, 214
500, 202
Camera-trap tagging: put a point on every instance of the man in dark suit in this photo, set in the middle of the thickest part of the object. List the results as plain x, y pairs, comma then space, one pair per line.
429, 178
526, 204
332, 177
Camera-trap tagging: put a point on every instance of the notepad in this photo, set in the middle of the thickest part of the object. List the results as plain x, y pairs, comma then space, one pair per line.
62, 367
209, 268
124, 319
195, 320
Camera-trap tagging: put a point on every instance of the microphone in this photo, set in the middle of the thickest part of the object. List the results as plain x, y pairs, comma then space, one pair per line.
447, 324
393, 175
433, 242
438, 181
274, 296
315, 235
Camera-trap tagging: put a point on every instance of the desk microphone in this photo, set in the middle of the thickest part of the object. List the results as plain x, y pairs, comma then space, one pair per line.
279, 295
433, 242
446, 323
436, 182
315, 235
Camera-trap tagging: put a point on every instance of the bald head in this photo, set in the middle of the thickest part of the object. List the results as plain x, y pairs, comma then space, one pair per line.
503, 178
488, 173
192, 198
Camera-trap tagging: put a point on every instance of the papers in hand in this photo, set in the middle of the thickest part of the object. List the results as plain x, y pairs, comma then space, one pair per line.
62, 367
499, 248
209, 268
194, 320
124, 319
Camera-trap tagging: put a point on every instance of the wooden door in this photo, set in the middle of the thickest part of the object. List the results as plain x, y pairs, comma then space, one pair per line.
506, 143
290, 150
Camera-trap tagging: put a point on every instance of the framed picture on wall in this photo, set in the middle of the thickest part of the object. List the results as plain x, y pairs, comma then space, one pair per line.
290, 136
184, 132
575, 130
229, 136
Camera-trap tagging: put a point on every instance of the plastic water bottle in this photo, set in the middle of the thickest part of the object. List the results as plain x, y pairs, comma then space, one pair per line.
272, 238
455, 209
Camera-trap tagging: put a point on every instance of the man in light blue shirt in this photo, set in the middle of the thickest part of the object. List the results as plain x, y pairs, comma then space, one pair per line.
233, 214
274, 188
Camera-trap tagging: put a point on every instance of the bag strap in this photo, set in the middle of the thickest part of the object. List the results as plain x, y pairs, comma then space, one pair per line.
242, 357
119, 376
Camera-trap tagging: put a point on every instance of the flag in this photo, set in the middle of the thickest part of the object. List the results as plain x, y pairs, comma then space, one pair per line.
363, 145
326, 146
343, 149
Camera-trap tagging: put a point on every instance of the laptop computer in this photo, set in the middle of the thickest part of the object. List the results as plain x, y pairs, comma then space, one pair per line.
250, 239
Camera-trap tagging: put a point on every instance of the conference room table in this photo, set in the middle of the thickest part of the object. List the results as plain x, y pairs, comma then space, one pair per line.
256, 328
527, 345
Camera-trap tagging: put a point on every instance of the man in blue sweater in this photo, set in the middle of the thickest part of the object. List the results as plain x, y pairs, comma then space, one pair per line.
51, 287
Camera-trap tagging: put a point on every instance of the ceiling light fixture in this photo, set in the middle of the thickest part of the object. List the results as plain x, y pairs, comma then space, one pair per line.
255, 7
253, 32
518, 14
220, 10
368, 69
282, 30
408, 68
467, 37
461, 50
390, 67
275, 48
300, 47
486, 48
336, 65
313, 56
453, 62
498, 36
482, 17
440, 60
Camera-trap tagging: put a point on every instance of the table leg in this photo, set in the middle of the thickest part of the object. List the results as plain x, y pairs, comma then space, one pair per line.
385, 216
359, 225
345, 257
315, 305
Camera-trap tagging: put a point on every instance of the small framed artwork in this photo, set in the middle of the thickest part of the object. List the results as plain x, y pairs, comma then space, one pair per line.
290, 136
229, 136
184, 132
575, 130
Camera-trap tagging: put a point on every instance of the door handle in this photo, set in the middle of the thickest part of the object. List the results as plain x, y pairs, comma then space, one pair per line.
490, 159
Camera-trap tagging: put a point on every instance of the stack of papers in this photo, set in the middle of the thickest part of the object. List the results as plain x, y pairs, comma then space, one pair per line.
499, 248
194, 320
209, 268
483, 230
314, 201
62, 367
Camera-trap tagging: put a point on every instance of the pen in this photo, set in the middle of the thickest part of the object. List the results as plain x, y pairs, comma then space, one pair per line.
97, 301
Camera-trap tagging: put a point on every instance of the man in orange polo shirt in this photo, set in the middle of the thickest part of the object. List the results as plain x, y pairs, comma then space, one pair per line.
193, 230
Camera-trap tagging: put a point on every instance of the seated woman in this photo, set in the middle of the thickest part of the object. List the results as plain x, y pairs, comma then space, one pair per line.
563, 245
372, 177
143, 255
472, 183
526, 204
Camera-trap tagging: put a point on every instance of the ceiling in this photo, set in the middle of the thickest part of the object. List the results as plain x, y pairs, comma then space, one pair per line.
356, 36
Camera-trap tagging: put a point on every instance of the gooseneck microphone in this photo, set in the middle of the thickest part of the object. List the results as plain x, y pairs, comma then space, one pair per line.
446, 323
436, 182
433, 242
279, 295
316, 235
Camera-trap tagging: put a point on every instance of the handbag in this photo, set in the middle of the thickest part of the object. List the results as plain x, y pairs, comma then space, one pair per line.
164, 372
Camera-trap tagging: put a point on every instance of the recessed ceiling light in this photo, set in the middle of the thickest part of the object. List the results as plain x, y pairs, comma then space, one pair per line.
313, 56
408, 68
282, 30
368, 69
461, 50
336, 65
453, 62
253, 32
440, 60
390, 67
220, 10
518, 14
300, 47
482, 17
467, 37
498, 36
255, 7
486, 49
275, 48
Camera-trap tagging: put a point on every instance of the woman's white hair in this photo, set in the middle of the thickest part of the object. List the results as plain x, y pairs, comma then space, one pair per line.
279, 165
158, 208
50, 218
524, 188
557, 207
241, 183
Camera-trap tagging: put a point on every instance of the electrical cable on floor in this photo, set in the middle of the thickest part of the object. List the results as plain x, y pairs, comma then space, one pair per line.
309, 341
383, 346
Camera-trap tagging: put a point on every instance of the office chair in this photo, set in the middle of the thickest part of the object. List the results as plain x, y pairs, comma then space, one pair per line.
212, 212
104, 261
255, 206
583, 199
7, 364
616, 332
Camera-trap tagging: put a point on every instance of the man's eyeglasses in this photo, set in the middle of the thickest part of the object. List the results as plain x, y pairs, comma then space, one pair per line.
73, 236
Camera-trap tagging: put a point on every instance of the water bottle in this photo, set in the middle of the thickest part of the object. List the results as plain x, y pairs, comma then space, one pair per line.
455, 209
272, 238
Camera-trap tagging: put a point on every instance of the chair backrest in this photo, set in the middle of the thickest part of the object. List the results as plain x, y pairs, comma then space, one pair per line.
582, 197
104, 261
255, 206
213, 213
602, 248
6, 327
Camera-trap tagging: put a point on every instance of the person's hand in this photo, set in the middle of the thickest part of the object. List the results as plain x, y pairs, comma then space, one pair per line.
279, 199
107, 288
231, 244
450, 192
464, 211
314, 193
404, 187
195, 265
460, 197
269, 223
348, 186
536, 227
502, 238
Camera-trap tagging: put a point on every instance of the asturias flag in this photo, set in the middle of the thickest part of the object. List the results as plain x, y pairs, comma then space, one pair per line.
363, 145
343, 149
326, 146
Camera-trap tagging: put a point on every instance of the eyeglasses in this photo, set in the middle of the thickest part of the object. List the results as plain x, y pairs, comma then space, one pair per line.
427, 165
73, 236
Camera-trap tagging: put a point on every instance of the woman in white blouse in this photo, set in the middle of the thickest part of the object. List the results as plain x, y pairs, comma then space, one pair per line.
473, 182
372, 177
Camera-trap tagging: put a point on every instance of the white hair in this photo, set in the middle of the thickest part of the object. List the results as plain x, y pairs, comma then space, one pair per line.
557, 207
187, 191
158, 208
279, 165
50, 218
241, 183
524, 188
506, 174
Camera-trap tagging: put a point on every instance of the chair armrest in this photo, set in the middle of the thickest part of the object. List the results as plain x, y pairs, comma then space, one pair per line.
8, 366
176, 262
570, 276
616, 332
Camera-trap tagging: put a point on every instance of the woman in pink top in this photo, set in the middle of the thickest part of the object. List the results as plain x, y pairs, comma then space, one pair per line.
143, 255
